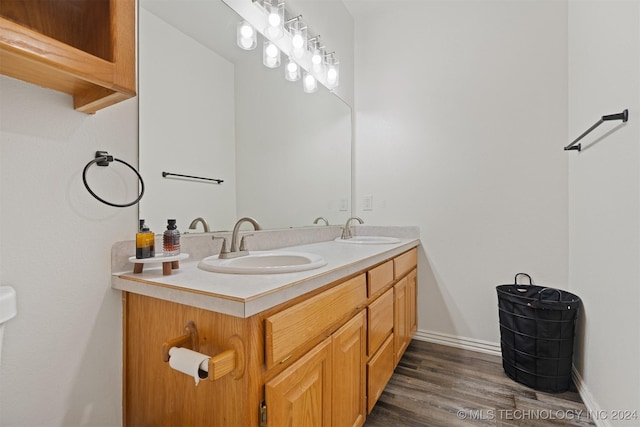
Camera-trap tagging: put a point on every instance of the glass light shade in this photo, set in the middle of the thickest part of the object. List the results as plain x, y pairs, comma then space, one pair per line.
275, 19
309, 83
292, 71
246, 36
270, 55
317, 60
298, 31
332, 73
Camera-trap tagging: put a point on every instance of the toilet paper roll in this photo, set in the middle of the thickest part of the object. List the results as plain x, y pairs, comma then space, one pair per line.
189, 362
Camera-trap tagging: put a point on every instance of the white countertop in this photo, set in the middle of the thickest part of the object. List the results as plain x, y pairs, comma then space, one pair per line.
245, 295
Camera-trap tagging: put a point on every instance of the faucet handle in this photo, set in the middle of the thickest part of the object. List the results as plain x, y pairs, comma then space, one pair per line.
223, 249
242, 243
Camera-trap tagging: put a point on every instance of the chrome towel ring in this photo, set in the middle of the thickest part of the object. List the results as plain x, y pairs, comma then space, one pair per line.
103, 158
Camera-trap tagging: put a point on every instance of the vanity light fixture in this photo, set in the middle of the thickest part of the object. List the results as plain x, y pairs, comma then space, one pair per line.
247, 37
270, 54
309, 83
305, 56
292, 70
274, 11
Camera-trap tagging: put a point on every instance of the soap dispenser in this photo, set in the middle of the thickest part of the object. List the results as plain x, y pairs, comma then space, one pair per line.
145, 242
171, 239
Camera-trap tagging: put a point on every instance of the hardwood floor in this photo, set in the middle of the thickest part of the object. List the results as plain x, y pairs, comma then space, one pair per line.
436, 385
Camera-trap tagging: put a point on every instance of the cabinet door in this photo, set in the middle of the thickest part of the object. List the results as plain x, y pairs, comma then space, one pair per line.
400, 331
301, 394
379, 371
349, 373
412, 303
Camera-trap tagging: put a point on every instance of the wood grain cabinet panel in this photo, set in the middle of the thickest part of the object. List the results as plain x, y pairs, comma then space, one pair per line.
380, 321
379, 371
349, 373
326, 386
404, 263
293, 327
412, 302
301, 395
400, 330
379, 277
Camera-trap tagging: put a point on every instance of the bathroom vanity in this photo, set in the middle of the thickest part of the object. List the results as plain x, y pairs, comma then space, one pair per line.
308, 348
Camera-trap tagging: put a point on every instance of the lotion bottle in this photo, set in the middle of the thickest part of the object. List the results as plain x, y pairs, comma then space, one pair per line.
145, 242
171, 239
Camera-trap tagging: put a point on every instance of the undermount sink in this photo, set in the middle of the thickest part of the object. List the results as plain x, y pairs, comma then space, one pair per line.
369, 240
264, 262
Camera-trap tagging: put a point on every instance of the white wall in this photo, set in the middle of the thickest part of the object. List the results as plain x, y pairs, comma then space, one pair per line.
604, 208
461, 119
62, 354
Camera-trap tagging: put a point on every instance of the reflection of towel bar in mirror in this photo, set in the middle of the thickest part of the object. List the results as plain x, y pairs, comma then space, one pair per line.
217, 181
624, 116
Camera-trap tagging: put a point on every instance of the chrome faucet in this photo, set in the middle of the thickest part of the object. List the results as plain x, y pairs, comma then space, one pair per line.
201, 220
321, 218
235, 250
346, 231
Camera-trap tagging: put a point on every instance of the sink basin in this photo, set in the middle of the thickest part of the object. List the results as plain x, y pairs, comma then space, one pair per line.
369, 240
264, 262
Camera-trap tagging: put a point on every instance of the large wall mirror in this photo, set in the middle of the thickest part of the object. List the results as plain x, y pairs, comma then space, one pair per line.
209, 109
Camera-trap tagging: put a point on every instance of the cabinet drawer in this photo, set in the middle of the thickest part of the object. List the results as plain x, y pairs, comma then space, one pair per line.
379, 371
379, 277
402, 264
297, 325
380, 320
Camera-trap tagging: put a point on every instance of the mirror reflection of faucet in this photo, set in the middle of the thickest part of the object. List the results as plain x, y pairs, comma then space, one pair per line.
195, 222
321, 218
346, 231
241, 250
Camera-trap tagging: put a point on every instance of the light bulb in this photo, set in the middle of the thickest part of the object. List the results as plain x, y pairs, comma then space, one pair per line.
332, 76
246, 36
272, 51
274, 19
309, 83
332, 72
298, 31
297, 41
246, 31
245, 43
292, 71
270, 55
316, 59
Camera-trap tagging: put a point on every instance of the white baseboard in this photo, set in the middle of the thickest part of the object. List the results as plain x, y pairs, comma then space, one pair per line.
459, 342
494, 349
589, 402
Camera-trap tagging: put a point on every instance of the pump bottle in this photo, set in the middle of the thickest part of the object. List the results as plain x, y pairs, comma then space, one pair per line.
171, 239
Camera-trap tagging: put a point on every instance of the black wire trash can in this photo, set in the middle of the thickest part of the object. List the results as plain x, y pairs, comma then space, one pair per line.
537, 326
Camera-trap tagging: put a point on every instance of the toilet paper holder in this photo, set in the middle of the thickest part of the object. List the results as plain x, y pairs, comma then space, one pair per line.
231, 361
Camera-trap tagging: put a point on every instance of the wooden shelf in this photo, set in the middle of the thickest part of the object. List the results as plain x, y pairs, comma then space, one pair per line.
85, 48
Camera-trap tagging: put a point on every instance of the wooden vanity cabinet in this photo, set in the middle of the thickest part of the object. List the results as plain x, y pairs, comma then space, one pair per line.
85, 48
322, 359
